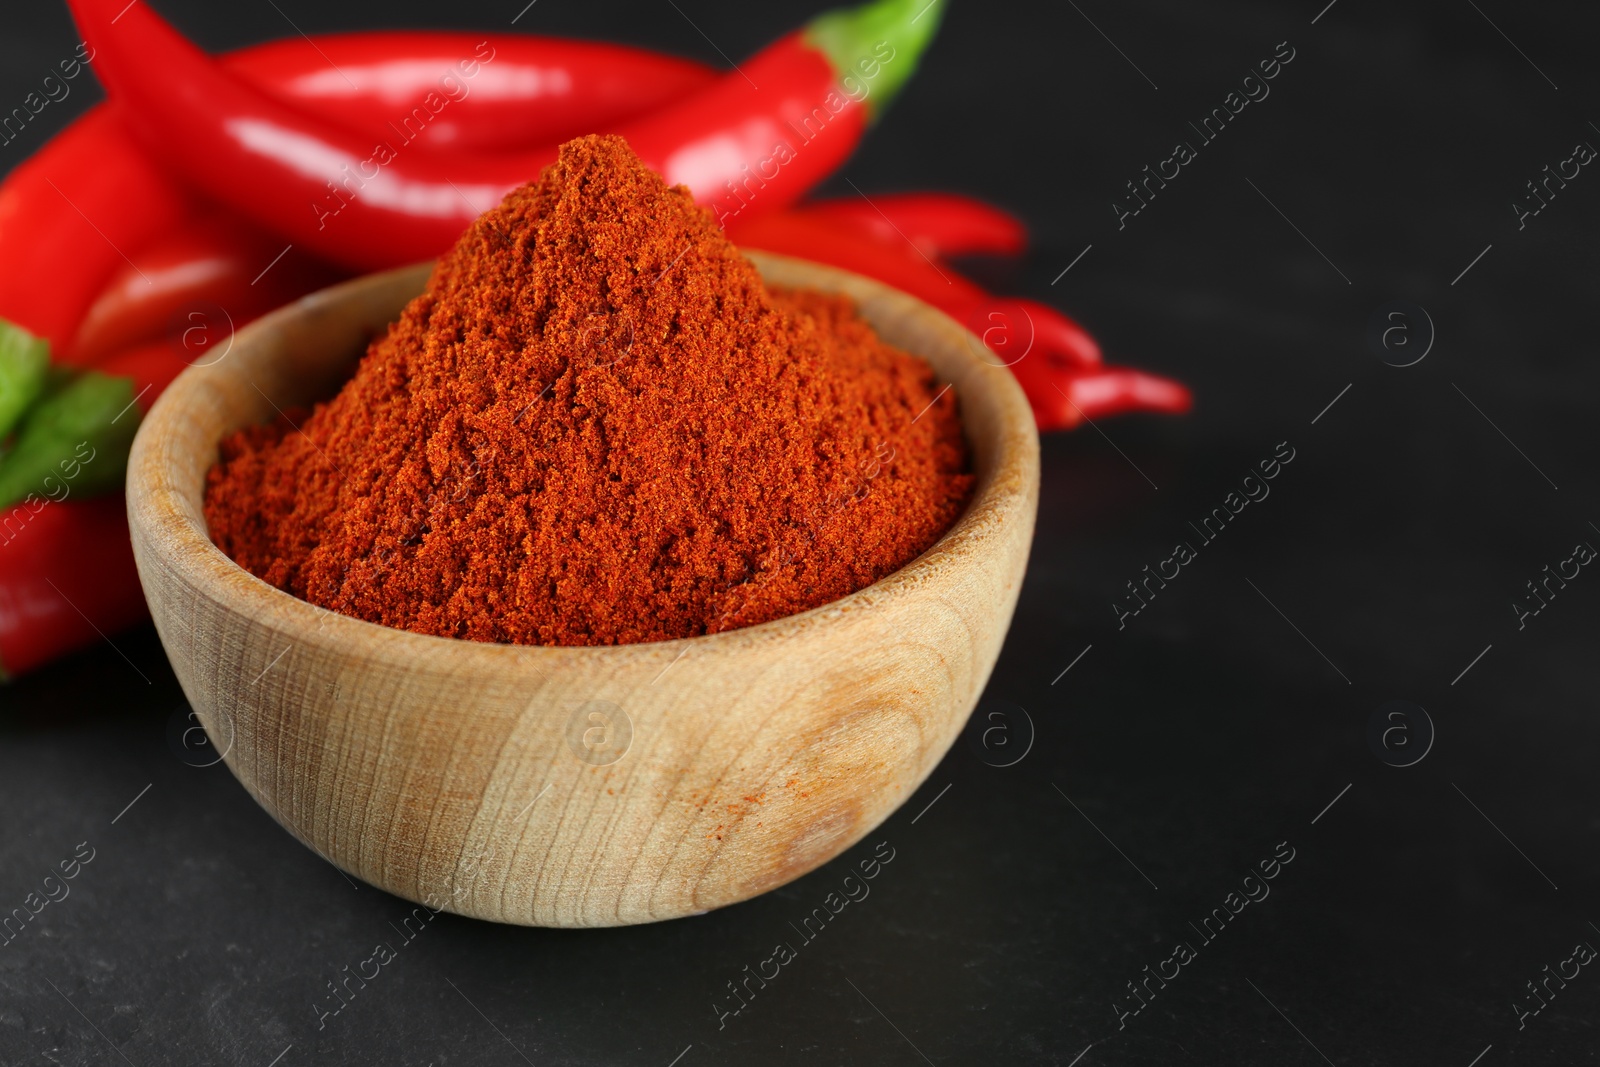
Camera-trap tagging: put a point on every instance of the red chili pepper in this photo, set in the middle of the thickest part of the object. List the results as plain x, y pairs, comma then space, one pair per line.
367, 206
1054, 359
66, 578
67, 575
535, 88
213, 272
792, 233
938, 224
1062, 401
1001, 321
1014, 327
1062, 392
1058, 366
68, 217
525, 91
152, 367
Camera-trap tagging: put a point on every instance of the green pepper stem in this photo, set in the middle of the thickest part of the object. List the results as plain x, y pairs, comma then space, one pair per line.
24, 361
74, 442
886, 37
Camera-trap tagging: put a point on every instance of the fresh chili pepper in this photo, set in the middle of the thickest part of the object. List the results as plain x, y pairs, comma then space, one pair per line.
1054, 359
524, 90
594, 83
67, 578
1047, 352
796, 233
827, 241
1013, 327
763, 135
216, 258
150, 368
67, 575
939, 225
534, 89
1062, 401
68, 216
213, 272
373, 206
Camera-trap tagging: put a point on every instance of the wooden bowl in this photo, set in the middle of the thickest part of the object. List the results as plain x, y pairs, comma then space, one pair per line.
575, 786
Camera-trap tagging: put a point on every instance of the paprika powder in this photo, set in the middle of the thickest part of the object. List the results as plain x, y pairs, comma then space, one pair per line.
596, 425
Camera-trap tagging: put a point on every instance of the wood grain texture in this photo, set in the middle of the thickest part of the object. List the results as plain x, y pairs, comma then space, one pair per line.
478, 778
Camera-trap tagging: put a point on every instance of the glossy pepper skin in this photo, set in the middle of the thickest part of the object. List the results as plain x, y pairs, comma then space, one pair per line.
372, 206
66, 577
211, 273
1062, 401
940, 225
149, 367
1054, 359
534, 89
69, 214
891, 259
843, 245
745, 151
53, 262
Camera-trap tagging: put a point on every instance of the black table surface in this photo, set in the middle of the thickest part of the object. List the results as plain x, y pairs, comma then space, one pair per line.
1434, 883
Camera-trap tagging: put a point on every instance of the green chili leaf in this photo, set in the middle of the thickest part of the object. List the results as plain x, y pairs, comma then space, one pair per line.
24, 362
74, 442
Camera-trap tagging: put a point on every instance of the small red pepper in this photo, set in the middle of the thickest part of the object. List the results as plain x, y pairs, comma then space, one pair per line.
1013, 327
67, 578
755, 138
940, 225
70, 215
212, 272
1061, 400
540, 87
792, 233
152, 366
1054, 359
525, 90
1023, 325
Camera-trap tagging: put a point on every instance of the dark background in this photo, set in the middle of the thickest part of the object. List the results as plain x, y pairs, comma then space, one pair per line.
1216, 725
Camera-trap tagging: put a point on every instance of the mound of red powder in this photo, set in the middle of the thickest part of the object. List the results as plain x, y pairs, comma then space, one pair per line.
597, 426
